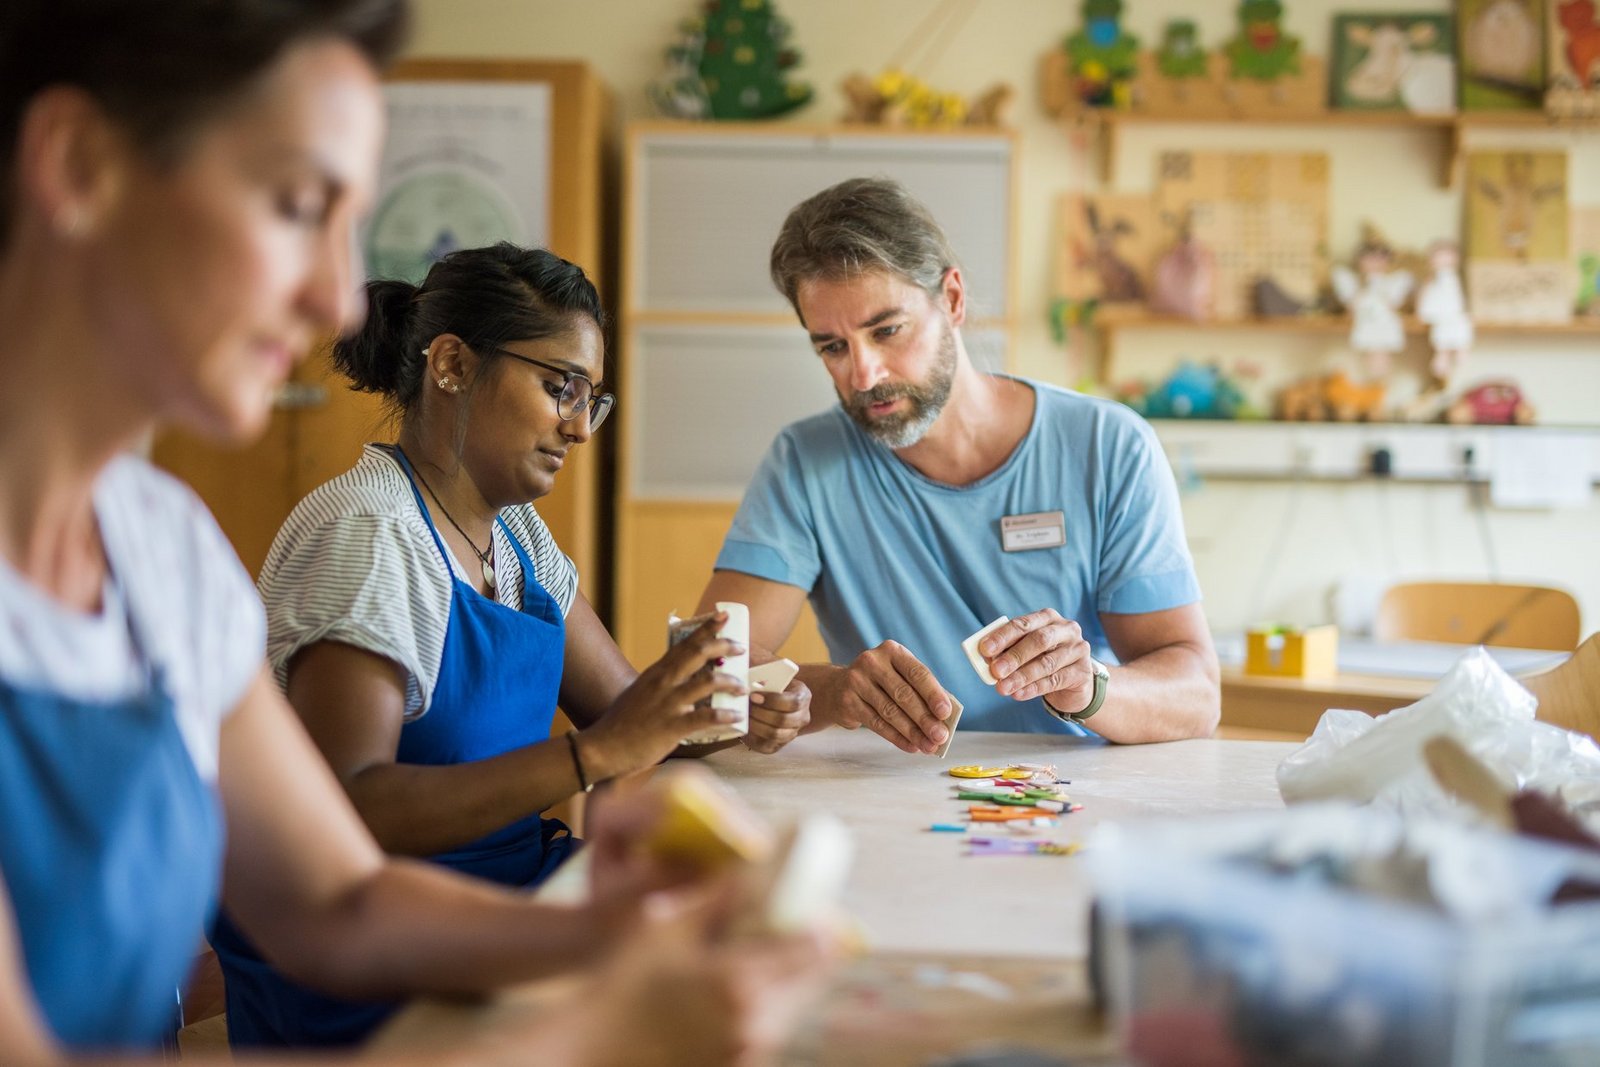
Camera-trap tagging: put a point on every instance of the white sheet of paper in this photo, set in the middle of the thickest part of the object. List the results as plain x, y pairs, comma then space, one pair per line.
1540, 470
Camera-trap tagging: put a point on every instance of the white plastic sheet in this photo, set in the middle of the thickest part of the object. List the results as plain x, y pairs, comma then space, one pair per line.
1354, 756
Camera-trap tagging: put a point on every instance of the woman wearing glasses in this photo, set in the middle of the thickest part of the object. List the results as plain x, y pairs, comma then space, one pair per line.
423, 621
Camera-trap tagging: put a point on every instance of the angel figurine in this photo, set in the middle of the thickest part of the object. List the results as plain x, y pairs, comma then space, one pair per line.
1374, 293
1443, 306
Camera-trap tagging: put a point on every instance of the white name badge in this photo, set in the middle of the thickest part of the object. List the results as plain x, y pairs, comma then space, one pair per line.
1042, 529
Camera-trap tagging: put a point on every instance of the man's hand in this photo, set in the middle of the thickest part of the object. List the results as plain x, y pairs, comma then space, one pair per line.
893, 694
1041, 655
777, 718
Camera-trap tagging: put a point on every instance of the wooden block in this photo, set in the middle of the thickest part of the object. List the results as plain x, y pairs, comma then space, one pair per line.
1308, 653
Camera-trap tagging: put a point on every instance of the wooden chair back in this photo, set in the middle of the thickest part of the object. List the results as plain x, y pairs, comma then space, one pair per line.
1479, 613
1569, 695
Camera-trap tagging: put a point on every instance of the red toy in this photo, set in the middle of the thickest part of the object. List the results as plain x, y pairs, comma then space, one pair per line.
1491, 404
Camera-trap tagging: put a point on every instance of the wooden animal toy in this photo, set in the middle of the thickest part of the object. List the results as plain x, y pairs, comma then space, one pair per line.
1347, 401
1491, 404
1119, 281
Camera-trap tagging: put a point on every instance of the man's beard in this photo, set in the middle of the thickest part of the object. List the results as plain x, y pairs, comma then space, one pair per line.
927, 400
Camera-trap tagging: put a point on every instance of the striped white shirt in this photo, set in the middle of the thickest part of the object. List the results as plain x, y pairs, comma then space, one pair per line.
355, 563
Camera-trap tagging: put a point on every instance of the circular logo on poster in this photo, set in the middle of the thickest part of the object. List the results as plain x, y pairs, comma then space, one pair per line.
431, 214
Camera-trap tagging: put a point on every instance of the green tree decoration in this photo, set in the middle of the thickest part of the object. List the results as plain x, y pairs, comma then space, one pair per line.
1180, 54
1103, 55
737, 52
1262, 50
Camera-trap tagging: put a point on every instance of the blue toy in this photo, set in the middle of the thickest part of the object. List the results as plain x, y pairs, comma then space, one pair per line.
1191, 391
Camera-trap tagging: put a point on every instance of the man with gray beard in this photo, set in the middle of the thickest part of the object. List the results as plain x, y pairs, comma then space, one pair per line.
938, 498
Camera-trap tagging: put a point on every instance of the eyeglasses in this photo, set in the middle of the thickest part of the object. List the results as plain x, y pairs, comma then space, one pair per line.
577, 393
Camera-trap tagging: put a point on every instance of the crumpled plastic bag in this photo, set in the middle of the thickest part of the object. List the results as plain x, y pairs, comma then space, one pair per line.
1354, 756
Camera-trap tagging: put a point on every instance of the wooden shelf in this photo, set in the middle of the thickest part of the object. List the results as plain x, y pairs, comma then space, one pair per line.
1113, 320
1419, 451
1108, 122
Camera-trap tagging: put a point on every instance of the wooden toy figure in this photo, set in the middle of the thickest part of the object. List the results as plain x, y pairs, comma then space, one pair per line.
731, 62
1180, 55
1104, 56
1442, 304
1373, 293
1262, 50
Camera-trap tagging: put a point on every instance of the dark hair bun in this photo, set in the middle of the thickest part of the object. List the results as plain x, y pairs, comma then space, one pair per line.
377, 358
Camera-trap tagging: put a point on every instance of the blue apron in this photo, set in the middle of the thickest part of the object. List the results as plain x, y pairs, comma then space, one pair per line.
498, 681
111, 853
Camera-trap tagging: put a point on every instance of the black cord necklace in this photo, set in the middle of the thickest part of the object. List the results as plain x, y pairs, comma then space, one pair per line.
483, 557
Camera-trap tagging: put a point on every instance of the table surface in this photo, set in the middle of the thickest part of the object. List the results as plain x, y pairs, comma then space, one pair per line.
962, 952
914, 891
1424, 660
1373, 676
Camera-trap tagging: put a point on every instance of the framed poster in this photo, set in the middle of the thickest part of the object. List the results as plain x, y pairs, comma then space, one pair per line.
1502, 53
1401, 62
465, 164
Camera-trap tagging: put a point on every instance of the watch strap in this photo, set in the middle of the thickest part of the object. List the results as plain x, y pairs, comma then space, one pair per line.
1101, 677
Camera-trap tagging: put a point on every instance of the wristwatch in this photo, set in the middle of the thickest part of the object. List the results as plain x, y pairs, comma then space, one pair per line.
1101, 678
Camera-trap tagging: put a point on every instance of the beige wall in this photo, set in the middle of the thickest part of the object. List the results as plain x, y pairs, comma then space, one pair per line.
1385, 175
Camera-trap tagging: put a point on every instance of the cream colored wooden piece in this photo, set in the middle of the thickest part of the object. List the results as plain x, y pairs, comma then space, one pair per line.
1569, 695
938, 923
1479, 613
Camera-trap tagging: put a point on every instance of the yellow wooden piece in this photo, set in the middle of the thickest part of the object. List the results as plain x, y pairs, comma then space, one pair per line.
705, 826
1308, 653
972, 770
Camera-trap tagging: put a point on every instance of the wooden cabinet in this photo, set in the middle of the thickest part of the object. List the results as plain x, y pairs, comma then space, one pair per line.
320, 424
713, 360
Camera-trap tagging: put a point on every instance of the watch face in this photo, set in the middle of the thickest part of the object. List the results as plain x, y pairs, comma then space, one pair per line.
431, 214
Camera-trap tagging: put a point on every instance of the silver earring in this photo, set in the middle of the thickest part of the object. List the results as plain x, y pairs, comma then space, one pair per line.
73, 222
444, 383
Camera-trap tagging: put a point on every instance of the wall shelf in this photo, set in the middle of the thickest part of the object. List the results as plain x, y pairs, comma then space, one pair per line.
1114, 319
1419, 452
1111, 322
1108, 122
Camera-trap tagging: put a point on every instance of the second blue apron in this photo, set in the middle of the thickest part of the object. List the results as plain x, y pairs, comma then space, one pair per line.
496, 691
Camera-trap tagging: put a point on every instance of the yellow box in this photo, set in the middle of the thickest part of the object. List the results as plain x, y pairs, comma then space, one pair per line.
1285, 653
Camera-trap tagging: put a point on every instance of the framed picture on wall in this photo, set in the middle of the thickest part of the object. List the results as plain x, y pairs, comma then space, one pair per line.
465, 163
1502, 53
1394, 62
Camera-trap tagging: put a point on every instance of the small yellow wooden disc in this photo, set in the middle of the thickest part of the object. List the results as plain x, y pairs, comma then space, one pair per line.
972, 770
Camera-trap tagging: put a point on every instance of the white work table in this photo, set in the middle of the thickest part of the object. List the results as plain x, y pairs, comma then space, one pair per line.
961, 951
914, 891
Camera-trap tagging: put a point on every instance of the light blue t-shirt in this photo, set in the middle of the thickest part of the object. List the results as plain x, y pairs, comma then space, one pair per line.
886, 553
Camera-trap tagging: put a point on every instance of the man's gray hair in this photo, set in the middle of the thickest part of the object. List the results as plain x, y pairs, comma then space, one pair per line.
857, 227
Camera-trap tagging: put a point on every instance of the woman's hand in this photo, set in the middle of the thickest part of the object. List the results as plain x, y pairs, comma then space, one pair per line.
662, 706
777, 718
683, 991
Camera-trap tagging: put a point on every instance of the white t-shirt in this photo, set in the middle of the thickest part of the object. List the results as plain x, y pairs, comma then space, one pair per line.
355, 563
197, 615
